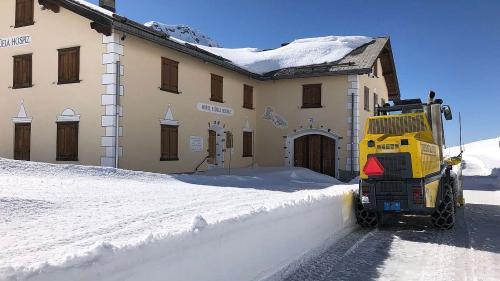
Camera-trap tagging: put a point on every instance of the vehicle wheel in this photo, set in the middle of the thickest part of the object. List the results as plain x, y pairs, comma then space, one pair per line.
444, 215
363, 217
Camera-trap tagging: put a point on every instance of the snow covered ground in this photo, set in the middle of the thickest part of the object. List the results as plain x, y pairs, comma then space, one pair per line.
482, 158
65, 222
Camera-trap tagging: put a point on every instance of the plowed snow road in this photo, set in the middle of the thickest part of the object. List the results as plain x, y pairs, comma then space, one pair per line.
411, 249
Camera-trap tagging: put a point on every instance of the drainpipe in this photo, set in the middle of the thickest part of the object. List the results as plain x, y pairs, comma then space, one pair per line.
352, 133
117, 112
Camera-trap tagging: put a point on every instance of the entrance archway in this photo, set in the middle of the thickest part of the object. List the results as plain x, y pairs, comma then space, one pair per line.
314, 149
215, 149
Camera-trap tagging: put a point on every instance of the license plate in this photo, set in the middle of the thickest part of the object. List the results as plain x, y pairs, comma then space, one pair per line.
392, 206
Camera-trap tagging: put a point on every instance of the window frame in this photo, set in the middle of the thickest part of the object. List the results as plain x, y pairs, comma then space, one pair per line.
229, 140
247, 146
60, 68
59, 153
214, 83
375, 68
312, 103
24, 84
366, 99
248, 91
166, 76
27, 22
166, 154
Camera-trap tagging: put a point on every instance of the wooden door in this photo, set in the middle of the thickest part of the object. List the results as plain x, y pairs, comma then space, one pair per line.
212, 147
300, 149
315, 154
328, 156
22, 142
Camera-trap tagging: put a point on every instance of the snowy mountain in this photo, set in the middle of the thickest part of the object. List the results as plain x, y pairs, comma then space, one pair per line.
482, 158
184, 33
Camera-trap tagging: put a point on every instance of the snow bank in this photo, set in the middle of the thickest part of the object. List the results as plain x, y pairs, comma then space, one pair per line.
184, 33
300, 52
481, 158
65, 222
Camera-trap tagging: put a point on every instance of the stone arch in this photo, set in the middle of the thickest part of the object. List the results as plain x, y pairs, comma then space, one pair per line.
290, 144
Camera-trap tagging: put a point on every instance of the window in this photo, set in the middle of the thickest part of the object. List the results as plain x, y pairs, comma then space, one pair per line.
375, 68
69, 65
24, 13
311, 96
67, 141
216, 91
212, 147
247, 144
22, 71
375, 102
367, 99
248, 96
229, 140
169, 75
169, 143
22, 141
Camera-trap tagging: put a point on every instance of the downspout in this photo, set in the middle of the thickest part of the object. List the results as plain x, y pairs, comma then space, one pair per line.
352, 133
117, 112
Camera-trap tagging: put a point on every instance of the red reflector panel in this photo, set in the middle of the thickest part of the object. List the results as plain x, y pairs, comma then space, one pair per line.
373, 167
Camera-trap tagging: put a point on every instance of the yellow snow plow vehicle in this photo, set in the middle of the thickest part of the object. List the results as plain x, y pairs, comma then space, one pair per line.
403, 167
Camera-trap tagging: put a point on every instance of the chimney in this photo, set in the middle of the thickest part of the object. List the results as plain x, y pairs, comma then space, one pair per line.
108, 5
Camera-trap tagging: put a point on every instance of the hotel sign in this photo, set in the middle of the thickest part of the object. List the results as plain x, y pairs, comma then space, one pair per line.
221, 110
15, 41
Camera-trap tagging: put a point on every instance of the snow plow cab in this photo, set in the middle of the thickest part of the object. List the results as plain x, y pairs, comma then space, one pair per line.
402, 165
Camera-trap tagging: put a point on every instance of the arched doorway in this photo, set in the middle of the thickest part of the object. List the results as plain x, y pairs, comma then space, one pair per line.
215, 146
314, 149
315, 152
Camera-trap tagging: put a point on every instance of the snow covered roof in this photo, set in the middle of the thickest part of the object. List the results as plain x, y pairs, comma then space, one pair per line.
301, 52
311, 57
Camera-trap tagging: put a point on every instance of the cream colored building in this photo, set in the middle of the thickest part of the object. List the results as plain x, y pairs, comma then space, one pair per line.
70, 68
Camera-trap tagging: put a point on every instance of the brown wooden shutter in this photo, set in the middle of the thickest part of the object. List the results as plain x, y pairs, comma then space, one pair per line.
69, 65
212, 146
375, 68
170, 75
22, 71
248, 96
311, 96
229, 140
24, 13
22, 141
247, 144
367, 99
217, 88
169, 143
67, 141
375, 102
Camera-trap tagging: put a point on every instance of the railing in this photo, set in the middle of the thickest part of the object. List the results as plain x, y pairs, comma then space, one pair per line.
201, 163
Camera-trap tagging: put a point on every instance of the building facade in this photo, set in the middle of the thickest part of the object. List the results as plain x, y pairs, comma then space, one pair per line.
81, 84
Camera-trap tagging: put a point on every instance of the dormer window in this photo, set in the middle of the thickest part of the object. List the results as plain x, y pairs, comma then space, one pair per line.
24, 13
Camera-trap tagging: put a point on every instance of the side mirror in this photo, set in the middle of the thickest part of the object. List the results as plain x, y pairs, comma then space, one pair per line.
448, 115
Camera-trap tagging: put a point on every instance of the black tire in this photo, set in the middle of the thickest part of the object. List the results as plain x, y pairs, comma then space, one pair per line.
363, 217
444, 216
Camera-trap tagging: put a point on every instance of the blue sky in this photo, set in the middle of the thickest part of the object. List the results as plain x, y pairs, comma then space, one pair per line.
452, 47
